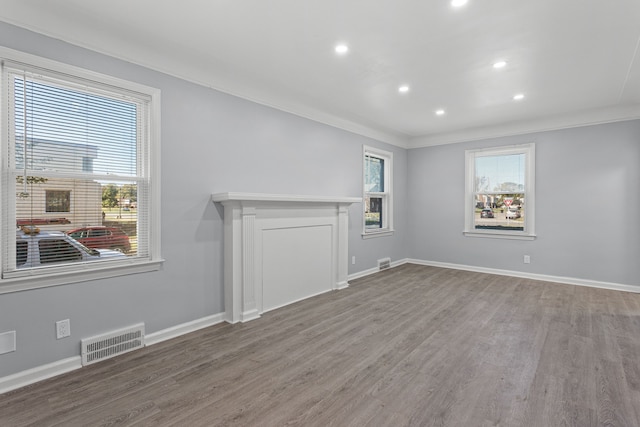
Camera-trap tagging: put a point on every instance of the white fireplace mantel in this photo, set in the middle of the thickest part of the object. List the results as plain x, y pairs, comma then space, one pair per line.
279, 249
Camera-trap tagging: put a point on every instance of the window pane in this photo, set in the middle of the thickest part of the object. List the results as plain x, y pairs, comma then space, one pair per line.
500, 173
499, 212
69, 131
68, 142
373, 212
374, 175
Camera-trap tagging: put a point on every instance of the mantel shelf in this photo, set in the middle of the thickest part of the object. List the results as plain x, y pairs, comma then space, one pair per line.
262, 197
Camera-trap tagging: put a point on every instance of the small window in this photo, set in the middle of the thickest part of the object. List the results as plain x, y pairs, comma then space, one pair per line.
58, 201
377, 173
500, 192
87, 164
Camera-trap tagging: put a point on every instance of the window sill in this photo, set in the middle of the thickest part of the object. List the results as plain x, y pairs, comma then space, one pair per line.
372, 234
23, 283
494, 235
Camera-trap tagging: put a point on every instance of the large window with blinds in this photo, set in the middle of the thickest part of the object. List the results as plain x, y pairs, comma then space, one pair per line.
78, 160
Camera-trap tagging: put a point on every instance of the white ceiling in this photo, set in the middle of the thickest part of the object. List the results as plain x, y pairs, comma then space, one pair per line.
576, 61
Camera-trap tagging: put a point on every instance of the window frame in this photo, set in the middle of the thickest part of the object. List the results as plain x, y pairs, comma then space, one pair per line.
386, 195
528, 233
59, 275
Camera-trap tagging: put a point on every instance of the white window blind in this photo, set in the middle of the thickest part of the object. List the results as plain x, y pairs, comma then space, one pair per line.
76, 173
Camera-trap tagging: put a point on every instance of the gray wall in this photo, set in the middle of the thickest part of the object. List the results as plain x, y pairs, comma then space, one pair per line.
211, 142
587, 205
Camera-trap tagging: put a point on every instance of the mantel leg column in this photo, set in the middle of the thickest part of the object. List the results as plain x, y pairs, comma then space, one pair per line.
343, 247
249, 308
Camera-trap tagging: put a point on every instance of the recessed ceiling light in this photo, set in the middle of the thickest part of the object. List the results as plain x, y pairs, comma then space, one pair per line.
458, 3
403, 89
518, 97
440, 112
342, 49
500, 64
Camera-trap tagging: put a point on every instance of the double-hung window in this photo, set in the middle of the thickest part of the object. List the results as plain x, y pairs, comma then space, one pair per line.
378, 203
79, 151
500, 192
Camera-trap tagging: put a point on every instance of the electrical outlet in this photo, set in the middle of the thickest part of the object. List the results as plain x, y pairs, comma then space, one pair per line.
353, 260
527, 259
63, 329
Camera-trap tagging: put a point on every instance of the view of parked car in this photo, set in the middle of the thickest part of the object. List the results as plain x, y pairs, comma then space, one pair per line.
486, 213
100, 237
513, 212
36, 248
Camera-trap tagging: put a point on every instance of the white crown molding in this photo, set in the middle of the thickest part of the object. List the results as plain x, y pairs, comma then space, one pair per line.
229, 84
566, 121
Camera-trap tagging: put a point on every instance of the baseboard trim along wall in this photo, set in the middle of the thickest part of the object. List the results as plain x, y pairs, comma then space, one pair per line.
50, 370
533, 276
182, 329
39, 373
374, 270
512, 273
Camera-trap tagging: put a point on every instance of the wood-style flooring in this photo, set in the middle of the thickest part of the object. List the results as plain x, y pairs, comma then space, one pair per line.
413, 345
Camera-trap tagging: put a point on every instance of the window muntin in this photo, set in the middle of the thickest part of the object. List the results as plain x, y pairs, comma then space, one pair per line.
499, 195
67, 134
377, 191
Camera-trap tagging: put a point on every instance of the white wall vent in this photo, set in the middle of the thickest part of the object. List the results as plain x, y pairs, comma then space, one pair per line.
111, 344
384, 263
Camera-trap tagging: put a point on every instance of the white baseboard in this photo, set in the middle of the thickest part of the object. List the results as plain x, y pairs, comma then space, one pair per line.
39, 373
512, 273
374, 270
533, 276
183, 328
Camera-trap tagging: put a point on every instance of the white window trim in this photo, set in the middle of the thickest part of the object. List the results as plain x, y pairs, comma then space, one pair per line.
529, 219
84, 272
368, 233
